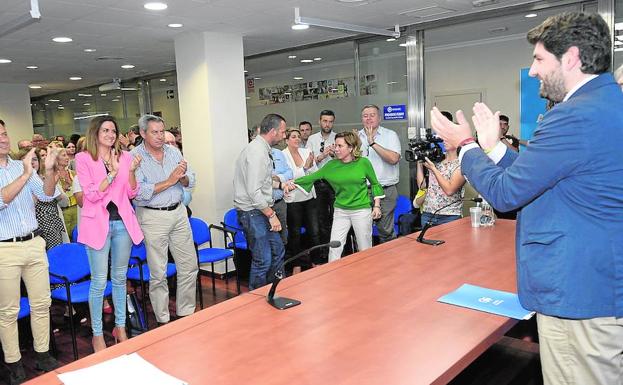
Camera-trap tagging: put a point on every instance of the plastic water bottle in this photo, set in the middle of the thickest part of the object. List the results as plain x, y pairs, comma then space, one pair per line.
488, 216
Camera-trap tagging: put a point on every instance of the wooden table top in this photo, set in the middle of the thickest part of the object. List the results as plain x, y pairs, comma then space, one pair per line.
369, 318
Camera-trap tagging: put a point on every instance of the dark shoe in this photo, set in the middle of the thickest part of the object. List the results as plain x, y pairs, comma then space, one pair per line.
44, 361
16, 373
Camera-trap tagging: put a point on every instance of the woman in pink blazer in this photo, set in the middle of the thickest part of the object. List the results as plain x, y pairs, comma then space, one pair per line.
107, 219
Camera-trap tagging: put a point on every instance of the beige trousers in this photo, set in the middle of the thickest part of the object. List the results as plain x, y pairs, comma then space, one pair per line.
27, 261
164, 230
581, 352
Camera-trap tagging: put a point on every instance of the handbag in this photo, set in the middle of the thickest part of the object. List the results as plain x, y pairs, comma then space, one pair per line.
135, 319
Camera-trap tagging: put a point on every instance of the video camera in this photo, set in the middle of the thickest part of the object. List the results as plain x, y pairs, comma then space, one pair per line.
429, 147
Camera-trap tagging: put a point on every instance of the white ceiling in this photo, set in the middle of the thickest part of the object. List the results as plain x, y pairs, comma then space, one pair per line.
124, 30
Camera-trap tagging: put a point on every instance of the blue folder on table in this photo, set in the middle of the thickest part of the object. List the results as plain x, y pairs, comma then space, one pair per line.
491, 301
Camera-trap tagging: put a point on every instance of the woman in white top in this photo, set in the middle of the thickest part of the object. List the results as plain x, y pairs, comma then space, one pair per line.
301, 206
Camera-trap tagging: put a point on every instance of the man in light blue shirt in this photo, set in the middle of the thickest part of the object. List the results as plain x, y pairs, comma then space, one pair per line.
162, 176
23, 256
281, 174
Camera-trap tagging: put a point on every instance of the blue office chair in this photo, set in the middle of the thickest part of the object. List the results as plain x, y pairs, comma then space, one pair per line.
74, 234
24, 308
138, 271
231, 224
404, 205
69, 270
202, 234
236, 239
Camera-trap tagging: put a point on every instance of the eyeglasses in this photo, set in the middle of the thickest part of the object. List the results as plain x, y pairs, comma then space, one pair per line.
321, 146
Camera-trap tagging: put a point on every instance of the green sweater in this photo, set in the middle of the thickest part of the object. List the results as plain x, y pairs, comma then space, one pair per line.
349, 182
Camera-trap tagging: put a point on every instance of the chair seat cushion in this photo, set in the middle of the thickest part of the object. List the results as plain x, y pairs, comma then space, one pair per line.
79, 292
135, 275
214, 254
242, 245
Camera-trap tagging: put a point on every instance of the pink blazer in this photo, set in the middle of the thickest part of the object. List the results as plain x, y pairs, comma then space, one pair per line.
94, 224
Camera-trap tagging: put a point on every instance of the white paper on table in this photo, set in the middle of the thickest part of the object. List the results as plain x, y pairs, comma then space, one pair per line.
127, 369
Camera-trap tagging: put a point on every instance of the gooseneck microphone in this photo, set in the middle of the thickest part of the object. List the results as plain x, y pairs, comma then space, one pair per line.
282, 303
429, 224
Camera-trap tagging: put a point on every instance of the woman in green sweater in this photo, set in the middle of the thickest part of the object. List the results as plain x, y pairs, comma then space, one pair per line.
349, 175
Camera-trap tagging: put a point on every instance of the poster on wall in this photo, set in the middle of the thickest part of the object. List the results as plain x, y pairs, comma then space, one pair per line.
368, 85
532, 105
306, 91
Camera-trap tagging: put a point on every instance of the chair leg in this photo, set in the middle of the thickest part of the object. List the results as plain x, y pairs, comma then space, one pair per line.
74, 344
143, 291
213, 284
53, 348
200, 289
226, 276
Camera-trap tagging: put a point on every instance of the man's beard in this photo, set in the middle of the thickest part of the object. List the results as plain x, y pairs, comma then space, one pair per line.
553, 87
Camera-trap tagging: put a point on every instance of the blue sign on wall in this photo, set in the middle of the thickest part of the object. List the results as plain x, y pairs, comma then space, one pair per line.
532, 106
397, 112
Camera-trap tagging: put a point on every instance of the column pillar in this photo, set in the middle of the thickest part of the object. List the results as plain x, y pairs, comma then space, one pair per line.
15, 111
213, 115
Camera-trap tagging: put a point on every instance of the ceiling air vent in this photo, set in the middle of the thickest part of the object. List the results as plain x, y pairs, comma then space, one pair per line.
427, 12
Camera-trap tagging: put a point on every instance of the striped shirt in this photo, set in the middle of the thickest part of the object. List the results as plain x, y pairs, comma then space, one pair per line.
151, 172
17, 218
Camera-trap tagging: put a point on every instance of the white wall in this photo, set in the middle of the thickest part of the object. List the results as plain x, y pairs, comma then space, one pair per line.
15, 111
493, 67
169, 108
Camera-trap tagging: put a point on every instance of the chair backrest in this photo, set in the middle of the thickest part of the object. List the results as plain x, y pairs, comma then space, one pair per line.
24, 308
69, 260
230, 222
201, 231
403, 206
139, 252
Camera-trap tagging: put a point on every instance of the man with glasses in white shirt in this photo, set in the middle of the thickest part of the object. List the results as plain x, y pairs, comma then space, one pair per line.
322, 145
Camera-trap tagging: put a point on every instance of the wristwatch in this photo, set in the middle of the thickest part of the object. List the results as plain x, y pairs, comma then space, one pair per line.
110, 178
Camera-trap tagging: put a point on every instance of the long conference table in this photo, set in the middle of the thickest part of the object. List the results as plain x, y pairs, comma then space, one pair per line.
369, 318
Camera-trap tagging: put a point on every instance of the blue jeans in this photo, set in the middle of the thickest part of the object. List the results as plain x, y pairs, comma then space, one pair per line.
266, 248
439, 219
119, 243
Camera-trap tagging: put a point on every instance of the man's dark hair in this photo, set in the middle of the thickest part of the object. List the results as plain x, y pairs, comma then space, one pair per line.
448, 115
588, 32
269, 122
74, 138
504, 118
305, 122
326, 113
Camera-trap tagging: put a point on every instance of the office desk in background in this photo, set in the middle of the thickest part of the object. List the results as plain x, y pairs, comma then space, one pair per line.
370, 318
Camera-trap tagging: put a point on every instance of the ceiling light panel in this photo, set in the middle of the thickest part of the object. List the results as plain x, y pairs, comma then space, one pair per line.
155, 6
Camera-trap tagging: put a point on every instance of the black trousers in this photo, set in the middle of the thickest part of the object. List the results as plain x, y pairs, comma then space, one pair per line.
325, 198
303, 214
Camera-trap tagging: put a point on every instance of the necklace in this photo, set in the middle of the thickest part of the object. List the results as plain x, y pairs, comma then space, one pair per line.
106, 162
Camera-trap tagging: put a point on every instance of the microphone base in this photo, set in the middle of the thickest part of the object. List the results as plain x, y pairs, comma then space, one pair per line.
283, 303
432, 242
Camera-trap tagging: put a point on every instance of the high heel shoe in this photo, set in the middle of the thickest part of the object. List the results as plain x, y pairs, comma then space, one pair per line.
98, 343
119, 334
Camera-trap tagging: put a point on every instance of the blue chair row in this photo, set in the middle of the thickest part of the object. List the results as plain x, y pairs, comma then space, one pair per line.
69, 268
